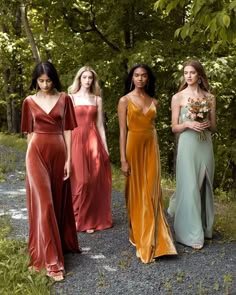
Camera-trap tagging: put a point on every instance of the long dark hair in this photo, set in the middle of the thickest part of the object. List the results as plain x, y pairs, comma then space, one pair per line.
45, 67
149, 88
201, 72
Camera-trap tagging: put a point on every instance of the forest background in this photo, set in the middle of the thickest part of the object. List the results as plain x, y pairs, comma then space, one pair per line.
112, 36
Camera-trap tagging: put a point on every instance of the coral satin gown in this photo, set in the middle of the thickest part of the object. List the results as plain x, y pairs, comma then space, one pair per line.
51, 220
91, 182
148, 228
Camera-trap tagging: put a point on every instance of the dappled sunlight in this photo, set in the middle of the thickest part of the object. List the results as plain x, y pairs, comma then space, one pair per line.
15, 213
107, 267
98, 256
85, 250
14, 192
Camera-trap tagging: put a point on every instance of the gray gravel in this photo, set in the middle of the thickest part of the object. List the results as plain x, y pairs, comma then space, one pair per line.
108, 264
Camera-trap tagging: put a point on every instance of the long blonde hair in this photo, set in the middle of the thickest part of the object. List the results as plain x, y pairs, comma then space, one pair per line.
75, 86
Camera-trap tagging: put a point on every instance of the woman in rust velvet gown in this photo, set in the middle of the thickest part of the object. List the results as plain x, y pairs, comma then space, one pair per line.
91, 172
47, 119
140, 163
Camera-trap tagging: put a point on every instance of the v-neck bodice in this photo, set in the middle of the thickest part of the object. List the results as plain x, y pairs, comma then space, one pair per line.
61, 117
47, 113
139, 121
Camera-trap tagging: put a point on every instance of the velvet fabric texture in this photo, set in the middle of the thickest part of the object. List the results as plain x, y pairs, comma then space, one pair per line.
91, 182
51, 220
192, 204
148, 228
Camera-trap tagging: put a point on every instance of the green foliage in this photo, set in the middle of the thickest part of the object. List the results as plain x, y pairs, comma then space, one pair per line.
73, 33
15, 276
211, 21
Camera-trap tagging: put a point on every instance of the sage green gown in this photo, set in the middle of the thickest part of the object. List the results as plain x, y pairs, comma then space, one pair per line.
192, 203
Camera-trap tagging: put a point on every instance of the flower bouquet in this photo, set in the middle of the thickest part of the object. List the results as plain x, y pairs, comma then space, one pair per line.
198, 110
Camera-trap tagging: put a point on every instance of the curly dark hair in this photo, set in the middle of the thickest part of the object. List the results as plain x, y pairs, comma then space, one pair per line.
149, 88
45, 67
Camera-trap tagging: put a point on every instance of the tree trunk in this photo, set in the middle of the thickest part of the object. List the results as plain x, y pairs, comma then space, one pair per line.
29, 33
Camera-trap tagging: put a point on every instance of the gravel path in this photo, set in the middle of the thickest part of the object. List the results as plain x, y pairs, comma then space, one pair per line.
108, 264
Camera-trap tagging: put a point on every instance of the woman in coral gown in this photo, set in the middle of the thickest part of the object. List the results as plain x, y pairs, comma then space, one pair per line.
140, 163
91, 172
47, 119
192, 204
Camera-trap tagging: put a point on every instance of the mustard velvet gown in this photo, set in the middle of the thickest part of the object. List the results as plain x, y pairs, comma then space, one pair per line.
148, 228
49, 201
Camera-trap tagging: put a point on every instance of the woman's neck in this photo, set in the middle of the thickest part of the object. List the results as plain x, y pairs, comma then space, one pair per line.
43, 94
194, 90
84, 92
140, 92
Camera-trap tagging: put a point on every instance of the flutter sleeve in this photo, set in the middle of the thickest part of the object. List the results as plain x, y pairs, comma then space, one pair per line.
27, 121
69, 117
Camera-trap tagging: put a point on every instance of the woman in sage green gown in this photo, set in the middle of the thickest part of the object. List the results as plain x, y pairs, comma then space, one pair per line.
192, 203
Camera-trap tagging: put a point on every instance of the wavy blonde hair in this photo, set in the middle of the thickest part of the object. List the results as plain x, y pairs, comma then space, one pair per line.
75, 86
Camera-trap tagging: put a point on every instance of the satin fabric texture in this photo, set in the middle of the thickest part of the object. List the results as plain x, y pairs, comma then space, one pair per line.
148, 228
192, 204
51, 221
91, 180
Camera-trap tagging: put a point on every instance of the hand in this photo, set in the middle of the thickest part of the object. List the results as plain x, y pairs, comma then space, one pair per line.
125, 168
206, 124
67, 170
196, 126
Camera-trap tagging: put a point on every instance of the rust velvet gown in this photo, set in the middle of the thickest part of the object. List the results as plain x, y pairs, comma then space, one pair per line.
50, 212
148, 229
91, 173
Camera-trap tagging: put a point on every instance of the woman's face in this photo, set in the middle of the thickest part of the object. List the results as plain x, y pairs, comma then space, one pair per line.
45, 84
86, 79
140, 77
191, 76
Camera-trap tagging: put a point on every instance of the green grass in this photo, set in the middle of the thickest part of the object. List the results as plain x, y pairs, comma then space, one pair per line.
8, 153
13, 140
14, 273
225, 219
118, 179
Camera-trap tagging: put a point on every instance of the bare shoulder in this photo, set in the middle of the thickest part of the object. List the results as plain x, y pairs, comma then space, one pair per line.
99, 99
123, 100
156, 102
176, 98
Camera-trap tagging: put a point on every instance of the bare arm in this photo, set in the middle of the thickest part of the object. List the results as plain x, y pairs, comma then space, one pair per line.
212, 126
67, 167
156, 103
122, 115
180, 127
100, 123
29, 137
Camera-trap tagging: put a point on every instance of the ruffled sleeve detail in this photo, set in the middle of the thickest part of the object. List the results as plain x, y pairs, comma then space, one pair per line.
69, 118
27, 121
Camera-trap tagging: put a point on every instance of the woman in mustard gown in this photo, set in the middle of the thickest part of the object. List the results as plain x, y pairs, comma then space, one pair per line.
140, 163
192, 204
47, 119
91, 171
